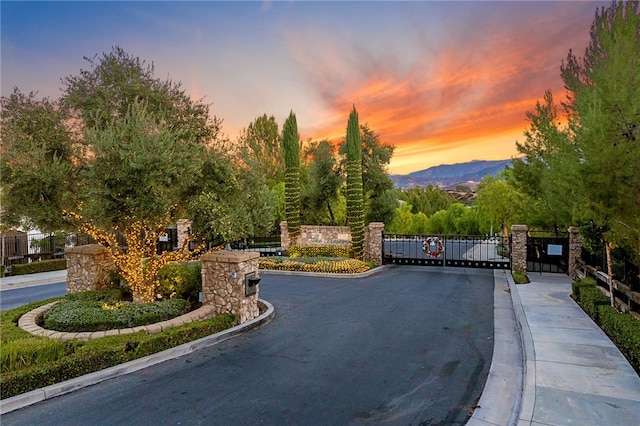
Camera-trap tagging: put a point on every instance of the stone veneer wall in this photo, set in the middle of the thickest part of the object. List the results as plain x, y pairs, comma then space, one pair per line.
313, 235
575, 252
223, 286
519, 248
373, 243
88, 268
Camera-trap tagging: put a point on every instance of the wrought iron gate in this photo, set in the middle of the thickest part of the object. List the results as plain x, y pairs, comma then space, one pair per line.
467, 251
547, 253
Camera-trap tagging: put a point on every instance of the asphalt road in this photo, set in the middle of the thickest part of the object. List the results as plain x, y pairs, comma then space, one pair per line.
408, 346
20, 296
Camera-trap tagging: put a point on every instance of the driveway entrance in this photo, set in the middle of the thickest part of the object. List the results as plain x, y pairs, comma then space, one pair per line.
406, 346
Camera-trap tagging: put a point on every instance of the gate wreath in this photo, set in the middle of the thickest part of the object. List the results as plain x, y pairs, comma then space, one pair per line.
426, 247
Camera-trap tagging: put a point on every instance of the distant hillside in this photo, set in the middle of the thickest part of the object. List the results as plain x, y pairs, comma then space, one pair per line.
448, 176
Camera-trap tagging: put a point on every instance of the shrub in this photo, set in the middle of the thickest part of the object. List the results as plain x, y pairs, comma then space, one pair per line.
181, 281
590, 299
624, 331
88, 315
98, 354
320, 251
520, 278
40, 266
580, 283
115, 294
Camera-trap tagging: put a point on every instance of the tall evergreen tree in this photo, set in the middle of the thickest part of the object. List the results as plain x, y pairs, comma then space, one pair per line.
291, 147
355, 196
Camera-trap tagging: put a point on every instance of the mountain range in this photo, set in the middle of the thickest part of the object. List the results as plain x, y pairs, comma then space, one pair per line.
449, 176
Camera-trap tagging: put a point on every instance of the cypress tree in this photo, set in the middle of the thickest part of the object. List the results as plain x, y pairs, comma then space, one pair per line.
291, 147
355, 196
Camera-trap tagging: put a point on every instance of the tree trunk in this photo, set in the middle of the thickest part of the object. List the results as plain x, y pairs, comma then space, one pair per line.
333, 221
607, 248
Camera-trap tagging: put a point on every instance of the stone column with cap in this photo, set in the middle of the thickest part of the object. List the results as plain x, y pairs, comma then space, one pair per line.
223, 283
519, 248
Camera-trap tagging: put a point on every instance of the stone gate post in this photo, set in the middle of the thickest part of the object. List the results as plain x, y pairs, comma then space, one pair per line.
230, 283
575, 252
88, 268
183, 228
519, 248
373, 243
285, 242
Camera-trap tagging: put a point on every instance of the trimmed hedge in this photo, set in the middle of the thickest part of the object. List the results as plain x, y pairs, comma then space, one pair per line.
40, 266
82, 315
99, 354
624, 330
590, 299
320, 251
581, 283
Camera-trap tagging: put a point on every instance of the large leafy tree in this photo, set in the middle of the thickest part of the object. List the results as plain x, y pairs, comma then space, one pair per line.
604, 118
540, 175
259, 148
380, 199
321, 195
291, 147
499, 203
39, 158
598, 151
121, 152
355, 196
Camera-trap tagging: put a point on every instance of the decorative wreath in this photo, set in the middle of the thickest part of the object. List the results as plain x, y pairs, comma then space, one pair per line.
433, 247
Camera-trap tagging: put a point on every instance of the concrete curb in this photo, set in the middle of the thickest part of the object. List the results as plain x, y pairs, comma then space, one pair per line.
528, 399
48, 392
327, 275
499, 403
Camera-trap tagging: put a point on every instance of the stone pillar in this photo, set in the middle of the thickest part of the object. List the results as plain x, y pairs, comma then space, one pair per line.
223, 283
184, 230
284, 235
519, 248
575, 252
88, 268
373, 243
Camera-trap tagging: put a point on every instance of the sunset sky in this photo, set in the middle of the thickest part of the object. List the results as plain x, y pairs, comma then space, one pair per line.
444, 82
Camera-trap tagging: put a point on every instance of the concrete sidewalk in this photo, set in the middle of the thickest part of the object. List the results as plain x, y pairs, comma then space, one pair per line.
573, 373
28, 280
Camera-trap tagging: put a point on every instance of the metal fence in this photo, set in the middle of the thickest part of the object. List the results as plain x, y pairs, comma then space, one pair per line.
20, 248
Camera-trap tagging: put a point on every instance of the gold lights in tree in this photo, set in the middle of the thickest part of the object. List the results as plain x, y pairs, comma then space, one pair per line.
137, 261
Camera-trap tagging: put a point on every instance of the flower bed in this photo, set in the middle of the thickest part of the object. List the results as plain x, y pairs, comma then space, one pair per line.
315, 264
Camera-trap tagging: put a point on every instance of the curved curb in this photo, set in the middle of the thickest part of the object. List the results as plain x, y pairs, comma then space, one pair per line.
48, 392
326, 274
528, 354
29, 323
500, 401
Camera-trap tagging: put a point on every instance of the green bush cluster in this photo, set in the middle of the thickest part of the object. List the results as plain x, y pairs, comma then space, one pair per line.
320, 251
520, 278
40, 266
623, 329
580, 283
180, 281
74, 359
85, 315
590, 299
